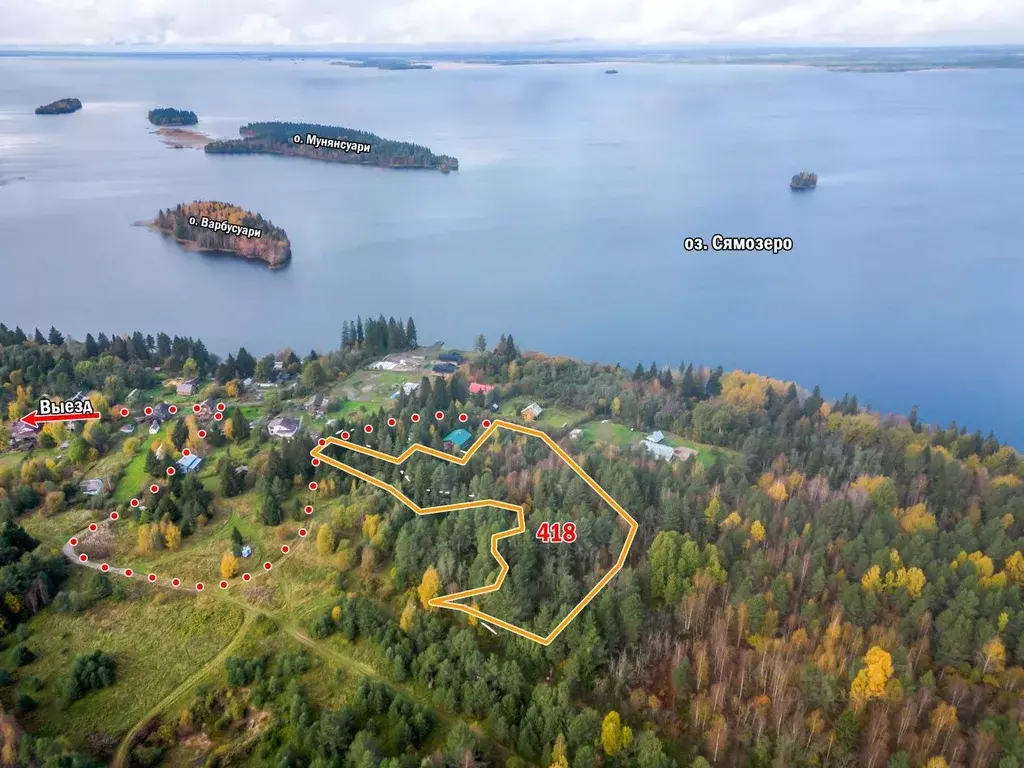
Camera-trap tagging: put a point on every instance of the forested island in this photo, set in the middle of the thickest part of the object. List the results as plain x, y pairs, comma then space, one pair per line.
804, 180
320, 142
60, 107
207, 225
172, 116
392, 64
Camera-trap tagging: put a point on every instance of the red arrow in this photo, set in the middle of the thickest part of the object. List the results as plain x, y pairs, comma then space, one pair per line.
33, 418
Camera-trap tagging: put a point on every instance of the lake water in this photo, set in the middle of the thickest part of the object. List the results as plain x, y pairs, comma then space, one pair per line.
565, 225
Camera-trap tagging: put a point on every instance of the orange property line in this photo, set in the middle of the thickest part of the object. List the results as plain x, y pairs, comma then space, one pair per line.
449, 601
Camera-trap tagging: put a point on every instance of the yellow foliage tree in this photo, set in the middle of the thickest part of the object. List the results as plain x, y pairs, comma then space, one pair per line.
325, 542
429, 587
172, 535
408, 614
915, 518
228, 565
871, 581
611, 734
713, 511
778, 492
733, 520
231, 388
1014, 567
937, 762
757, 531
559, 753
993, 656
336, 614
871, 681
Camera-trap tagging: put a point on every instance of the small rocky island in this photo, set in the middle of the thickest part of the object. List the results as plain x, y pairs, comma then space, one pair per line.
172, 116
331, 143
804, 180
611, 71
208, 225
60, 107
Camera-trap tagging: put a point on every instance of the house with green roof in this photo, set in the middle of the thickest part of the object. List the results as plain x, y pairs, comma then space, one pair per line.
458, 438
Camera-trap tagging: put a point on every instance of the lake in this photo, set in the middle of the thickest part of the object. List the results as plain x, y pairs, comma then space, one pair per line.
565, 224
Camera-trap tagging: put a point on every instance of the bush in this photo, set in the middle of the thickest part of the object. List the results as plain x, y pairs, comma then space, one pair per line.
90, 672
23, 656
24, 703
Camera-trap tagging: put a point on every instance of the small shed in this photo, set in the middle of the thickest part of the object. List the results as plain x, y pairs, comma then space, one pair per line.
531, 412
457, 438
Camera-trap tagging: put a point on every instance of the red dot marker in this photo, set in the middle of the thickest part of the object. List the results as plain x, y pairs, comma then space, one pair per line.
463, 418
313, 486
154, 488
114, 515
148, 411
199, 587
172, 409
302, 532
83, 557
93, 526
128, 572
174, 582
218, 416
246, 577
220, 406
267, 566
124, 412
439, 415
196, 408
202, 434
170, 471
368, 429
186, 452
315, 462
284, 549
321, 441
73, 542
345, 435
392, 421
104, 567
415, 418
309, 509
134, 502
486, 423
223, 585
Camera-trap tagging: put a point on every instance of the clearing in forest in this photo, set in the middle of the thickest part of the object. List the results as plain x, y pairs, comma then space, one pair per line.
452, 601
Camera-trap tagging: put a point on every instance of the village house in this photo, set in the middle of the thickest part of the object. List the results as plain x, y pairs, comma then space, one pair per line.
186, 388
457, 439
284, 427
91, 487
656, 437
154, 426
317, 405
445, 369
575, 434
451, 357
476, 387
531, 412
23, 436
659, 450
206, 409
127, 429
188, 464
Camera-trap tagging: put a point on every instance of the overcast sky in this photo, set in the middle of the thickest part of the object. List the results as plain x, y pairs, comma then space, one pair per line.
381, 23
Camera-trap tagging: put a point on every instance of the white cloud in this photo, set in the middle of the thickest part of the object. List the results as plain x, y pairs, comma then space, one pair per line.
437, 22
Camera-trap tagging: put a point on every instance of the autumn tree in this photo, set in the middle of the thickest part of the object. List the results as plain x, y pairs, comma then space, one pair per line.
429, 587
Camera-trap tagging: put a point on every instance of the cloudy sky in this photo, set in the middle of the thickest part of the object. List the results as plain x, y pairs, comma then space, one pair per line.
324, 23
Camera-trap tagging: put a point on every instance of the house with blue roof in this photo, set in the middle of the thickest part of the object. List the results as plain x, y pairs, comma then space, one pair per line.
190, 463
457, 439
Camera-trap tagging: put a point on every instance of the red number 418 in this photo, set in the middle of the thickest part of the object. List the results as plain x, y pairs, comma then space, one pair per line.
557, 533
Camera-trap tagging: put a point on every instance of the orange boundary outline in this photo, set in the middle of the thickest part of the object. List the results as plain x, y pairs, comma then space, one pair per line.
449, 601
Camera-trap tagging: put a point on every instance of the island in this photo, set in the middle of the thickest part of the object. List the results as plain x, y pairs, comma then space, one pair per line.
611, 71
394, 64
172, 116
331, 143
60, 107
209, 225
804, 180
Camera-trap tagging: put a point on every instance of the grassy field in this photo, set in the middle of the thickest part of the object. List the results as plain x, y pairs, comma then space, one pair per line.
552, 417
157, 640
11, 459
57, 529
134, 477
610, 432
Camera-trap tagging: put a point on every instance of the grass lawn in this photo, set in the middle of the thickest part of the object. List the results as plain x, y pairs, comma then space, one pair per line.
157, 639
552, 417
11, 459
134, 478
610, 432
55, 530
706, 454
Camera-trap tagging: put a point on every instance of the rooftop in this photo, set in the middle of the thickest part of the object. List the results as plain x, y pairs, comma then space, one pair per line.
458, 437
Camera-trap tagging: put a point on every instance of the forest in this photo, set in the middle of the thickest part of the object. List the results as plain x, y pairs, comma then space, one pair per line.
172, 116
829, 586
271, 247
276, 138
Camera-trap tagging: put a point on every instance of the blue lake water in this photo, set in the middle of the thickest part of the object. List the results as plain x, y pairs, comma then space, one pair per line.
565, 224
